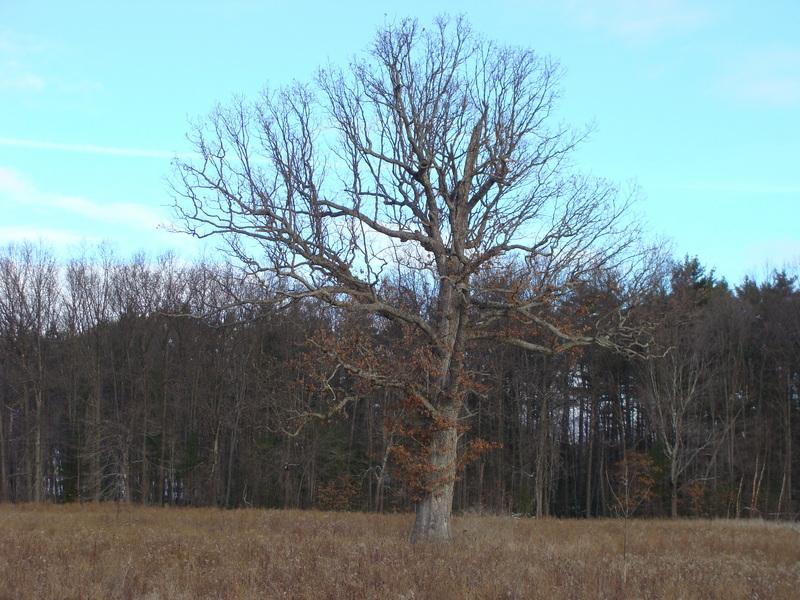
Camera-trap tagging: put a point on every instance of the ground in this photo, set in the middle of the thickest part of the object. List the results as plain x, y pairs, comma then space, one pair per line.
117, 551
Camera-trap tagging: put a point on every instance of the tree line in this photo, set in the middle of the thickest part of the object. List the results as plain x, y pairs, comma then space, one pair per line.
161, 381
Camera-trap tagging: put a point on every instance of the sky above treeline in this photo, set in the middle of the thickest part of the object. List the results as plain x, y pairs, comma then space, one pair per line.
695, 101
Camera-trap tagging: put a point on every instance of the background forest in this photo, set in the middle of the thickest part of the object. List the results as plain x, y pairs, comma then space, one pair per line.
111, 388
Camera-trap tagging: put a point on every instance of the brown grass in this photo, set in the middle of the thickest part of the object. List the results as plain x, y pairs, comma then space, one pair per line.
108, 551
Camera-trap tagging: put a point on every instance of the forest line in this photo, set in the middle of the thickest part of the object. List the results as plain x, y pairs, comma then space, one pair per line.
161, 381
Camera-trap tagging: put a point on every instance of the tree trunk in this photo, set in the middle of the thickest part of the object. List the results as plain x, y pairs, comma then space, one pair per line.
4, 495
592, 435
674, 499
38, 473
232, 450
434, 510
145, 473
214, 480
95, 442
543, 459
785, 503
673, 482
388, 444
162, 462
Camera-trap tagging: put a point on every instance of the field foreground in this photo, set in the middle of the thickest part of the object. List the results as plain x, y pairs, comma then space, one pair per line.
109, 551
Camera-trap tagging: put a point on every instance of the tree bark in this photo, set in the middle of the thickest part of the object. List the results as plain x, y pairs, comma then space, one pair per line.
4, 495
673, 499
38, 474
434, 510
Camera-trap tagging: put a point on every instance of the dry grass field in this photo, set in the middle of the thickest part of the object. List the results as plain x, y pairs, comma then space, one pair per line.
109, 551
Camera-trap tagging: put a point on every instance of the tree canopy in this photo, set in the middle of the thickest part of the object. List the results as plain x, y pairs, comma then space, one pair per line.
432, 163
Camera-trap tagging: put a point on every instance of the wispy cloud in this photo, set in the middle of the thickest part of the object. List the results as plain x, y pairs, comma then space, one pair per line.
13, 185
15, 77
765, 77
31, 213
19, 55
16, 191
90, 149
640, 20
738, 188
34, 65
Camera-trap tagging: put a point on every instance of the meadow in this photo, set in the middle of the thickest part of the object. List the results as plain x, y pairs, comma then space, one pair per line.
113, 551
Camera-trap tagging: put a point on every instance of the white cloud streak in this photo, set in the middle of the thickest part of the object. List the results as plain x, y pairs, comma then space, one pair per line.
17, 191
90, 149
65, 221
749, 188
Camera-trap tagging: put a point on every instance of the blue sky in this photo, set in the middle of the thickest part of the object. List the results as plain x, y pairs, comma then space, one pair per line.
697, 101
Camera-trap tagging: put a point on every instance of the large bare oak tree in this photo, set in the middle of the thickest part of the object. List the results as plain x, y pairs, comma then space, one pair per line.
435, 158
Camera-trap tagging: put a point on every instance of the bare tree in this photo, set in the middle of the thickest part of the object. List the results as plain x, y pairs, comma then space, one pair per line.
88, 312
29, 312
435, 156
676, 383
